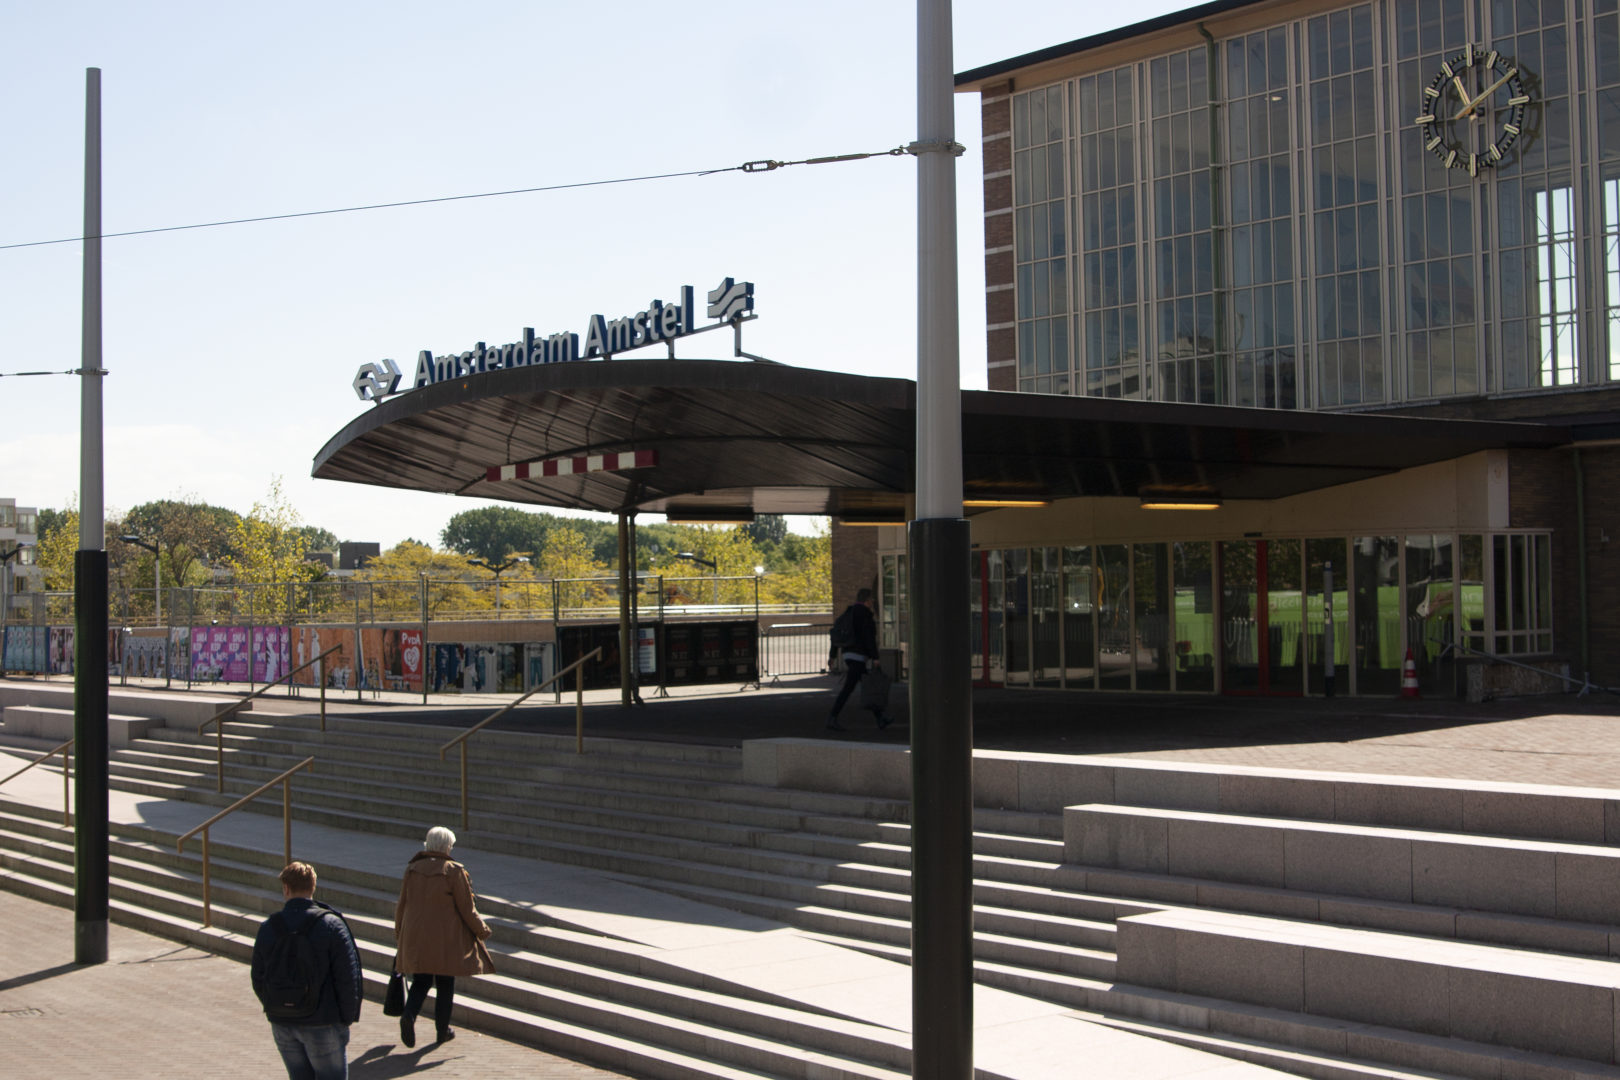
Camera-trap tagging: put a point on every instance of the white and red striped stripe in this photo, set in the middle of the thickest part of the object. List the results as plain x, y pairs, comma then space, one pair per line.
569, 466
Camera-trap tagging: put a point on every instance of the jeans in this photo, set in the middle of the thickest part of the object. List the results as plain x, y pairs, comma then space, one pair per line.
313, 1051
444, 997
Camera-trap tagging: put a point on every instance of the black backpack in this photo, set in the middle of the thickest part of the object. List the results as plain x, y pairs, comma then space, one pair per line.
293, 972
842, 635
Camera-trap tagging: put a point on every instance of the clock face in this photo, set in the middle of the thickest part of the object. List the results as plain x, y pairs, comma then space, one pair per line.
1473, 110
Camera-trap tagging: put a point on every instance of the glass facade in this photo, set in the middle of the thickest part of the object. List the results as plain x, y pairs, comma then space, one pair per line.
1264, 221
1250, 616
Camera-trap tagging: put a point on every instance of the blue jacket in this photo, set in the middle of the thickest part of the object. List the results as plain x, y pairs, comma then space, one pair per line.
341, 991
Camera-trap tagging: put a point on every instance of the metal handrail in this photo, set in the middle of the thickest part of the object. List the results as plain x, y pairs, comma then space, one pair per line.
577, 667
1586, 684
67, 774
236, 706
285, 779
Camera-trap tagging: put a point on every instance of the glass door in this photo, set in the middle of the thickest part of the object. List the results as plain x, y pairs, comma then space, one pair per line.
1262, 617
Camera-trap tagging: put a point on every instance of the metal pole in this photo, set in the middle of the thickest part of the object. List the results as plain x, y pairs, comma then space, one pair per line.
253, 594
941, 675
91, 858
1327, 629
286, 821
627, 642
208, 906
463, 785
157, 586
359, 660
67, 778
423, 665
579, 709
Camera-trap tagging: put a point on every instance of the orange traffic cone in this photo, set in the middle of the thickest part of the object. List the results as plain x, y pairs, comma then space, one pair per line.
1409, 683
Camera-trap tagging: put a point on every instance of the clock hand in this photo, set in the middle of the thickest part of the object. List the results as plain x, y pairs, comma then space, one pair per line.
1487, 92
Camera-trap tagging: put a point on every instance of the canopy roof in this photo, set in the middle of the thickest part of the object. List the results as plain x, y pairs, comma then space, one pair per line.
738, 437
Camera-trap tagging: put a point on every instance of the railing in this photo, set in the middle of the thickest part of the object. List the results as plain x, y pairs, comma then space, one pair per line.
796, 648
234, 707
285, 780
578, 668
67, 774
1586, 684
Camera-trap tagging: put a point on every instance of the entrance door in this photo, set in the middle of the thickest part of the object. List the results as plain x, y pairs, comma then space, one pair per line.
1261, 617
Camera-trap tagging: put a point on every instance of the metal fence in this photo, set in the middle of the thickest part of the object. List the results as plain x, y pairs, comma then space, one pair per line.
372, 616
795, 648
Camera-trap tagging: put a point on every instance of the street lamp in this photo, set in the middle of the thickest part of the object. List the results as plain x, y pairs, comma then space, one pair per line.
157, 575
701, 561
495, 566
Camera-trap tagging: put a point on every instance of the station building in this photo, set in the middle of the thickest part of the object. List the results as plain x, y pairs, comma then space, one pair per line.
1303, 359
1313, 209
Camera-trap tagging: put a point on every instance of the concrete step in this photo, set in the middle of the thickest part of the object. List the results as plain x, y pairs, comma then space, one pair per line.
1480, 993
1483, 873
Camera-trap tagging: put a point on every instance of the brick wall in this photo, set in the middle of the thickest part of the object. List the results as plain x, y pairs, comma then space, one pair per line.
854, 563
999, 301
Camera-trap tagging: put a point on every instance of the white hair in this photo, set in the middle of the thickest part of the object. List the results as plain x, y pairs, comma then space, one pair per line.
439, 839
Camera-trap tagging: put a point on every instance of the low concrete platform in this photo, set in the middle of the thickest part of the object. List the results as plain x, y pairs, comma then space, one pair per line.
1549, 1004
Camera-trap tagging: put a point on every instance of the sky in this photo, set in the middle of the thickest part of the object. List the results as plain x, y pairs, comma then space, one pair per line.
231, 351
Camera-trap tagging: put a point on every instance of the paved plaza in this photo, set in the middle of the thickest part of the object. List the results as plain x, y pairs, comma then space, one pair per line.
157, 1001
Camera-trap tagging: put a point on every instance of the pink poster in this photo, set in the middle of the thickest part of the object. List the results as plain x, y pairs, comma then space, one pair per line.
410, 658
208, 652
236, 654
272, 651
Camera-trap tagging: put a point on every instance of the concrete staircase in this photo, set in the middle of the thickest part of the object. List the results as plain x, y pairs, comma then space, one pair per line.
1235, 919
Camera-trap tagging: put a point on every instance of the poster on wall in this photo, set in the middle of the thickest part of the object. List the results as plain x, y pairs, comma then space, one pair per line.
647, 650
145, 657
408, 657
710, 652
477, 667
272, 653
24, 648
336, 672
61, 650
539, 663
179, 652
574, 642
208, 652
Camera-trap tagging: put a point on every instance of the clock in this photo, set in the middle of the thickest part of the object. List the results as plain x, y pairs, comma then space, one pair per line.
1473, 109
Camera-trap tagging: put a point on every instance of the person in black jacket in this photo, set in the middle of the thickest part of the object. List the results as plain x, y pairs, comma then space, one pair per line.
313, 1046
856, 659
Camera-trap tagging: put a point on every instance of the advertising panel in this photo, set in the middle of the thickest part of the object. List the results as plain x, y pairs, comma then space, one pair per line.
698, 652
25, 648
61, 650
179, 652
145, 657
336, 672
272, 652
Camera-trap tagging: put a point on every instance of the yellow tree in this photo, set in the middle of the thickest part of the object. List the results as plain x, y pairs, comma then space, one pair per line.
56, 550
269, 549
566, 557
397, 576
806, 582
732, 551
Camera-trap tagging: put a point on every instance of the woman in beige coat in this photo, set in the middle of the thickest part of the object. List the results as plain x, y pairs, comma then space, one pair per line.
439, 932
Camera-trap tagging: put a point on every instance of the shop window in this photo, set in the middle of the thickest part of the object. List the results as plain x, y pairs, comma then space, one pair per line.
1521, 567
1377, 615
1079, 619
1115, 651
1152, 645
894, 612
1194, 642
1321, 557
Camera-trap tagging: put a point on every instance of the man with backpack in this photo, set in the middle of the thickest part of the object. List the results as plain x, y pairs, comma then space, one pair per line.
854, 634
306, 973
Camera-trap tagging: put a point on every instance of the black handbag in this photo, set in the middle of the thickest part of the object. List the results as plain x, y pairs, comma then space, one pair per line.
394, 999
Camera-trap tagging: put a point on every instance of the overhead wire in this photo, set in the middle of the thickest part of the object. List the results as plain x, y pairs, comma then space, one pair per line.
764, 165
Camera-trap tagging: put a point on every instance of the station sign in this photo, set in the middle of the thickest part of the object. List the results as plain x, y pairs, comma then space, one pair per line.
660, 322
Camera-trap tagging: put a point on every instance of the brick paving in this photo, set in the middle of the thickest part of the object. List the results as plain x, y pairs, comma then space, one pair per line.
158, 1008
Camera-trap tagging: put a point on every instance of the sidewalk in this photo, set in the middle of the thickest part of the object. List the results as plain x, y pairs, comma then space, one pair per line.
157, 1008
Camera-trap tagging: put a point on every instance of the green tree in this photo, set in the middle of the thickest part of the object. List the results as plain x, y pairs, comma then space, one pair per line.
493, 533
317, 538
189, 534
806, 579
